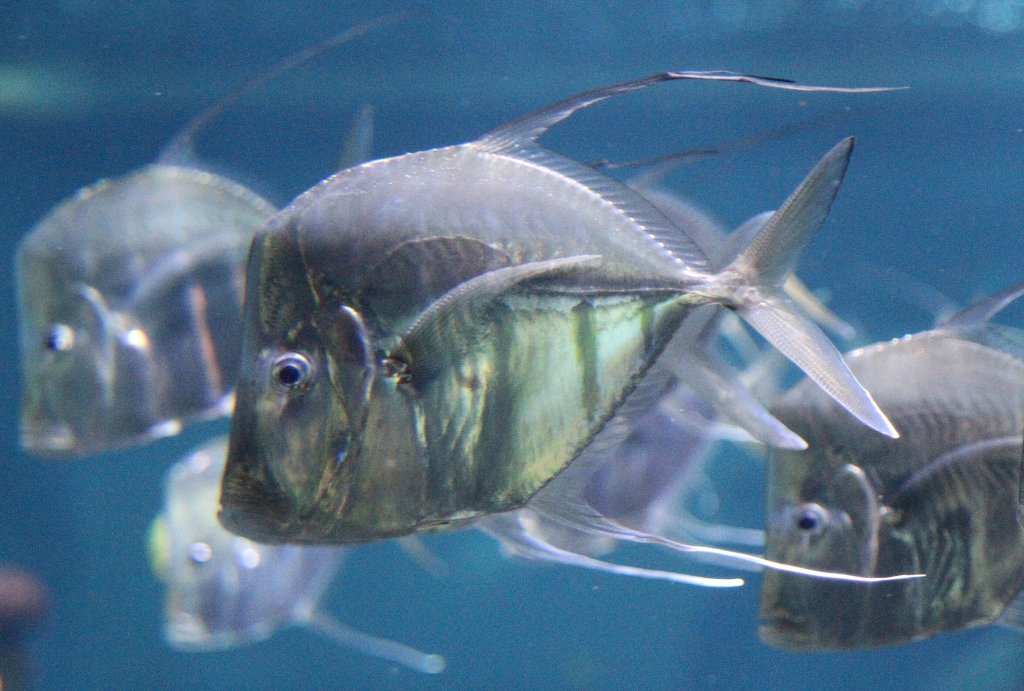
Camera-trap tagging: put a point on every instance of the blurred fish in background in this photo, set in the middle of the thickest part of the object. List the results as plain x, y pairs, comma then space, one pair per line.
224, 591
943, 499
24, 602
130, 296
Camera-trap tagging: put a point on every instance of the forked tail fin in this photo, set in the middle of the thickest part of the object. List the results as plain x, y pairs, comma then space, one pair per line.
751, 283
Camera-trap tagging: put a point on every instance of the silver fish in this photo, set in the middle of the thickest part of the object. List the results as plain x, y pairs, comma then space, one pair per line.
224, 591
432, 338
941, 500
130, 294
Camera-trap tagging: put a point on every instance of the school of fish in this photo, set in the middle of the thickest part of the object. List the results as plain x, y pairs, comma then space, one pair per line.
493, 335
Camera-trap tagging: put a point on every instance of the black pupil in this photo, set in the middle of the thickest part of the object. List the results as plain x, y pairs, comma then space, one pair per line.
53, 341
807, 521
289, 374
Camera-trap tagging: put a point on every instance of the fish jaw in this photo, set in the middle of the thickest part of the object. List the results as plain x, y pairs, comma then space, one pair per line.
47, 438
313, 463
66, 412
787, 619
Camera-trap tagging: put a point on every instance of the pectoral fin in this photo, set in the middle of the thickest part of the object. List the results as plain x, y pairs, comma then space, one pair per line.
449, 325
412, 275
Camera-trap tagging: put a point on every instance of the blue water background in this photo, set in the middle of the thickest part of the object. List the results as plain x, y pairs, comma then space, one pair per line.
94, 89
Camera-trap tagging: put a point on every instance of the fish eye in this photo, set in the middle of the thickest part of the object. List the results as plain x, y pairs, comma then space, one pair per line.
59, 338
810, 519
291, 371
199, 553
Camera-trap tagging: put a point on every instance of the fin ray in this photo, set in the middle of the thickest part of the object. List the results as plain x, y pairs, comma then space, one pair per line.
530, 127
796, 337
449, 314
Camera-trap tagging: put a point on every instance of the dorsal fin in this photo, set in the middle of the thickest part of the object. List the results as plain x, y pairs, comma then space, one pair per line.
358, 145
979, 314
179, 151
526, 129
518, 138
663, 164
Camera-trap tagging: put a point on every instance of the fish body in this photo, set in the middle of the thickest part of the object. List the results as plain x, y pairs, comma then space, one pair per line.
224, 591
129, 295
941, 500
433, 337
494, 392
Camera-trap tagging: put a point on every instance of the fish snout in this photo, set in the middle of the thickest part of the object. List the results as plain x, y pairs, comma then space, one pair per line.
46, 437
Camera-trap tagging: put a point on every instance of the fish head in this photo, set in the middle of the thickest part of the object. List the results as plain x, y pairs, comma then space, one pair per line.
79, 357
129, 295
822, 513
323, 443
222, 590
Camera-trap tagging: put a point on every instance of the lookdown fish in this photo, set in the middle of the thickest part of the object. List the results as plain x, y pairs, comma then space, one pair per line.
432, 338
224, 591
942, 500
129, 298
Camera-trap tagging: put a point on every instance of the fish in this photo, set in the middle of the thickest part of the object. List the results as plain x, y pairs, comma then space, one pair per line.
942, 500
433, 337
130, 295
224, 591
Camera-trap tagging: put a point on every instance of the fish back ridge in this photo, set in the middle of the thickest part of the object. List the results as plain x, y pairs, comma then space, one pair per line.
653, 227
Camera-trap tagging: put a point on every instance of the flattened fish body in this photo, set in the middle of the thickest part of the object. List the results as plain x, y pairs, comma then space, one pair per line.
129, 296
435, 336
492, 407
941, 500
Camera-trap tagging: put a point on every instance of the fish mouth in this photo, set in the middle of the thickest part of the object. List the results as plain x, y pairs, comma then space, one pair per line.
56, 439
786, 631
188, 632
48, 438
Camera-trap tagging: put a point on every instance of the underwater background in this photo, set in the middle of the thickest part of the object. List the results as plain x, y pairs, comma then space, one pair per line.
935, 190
